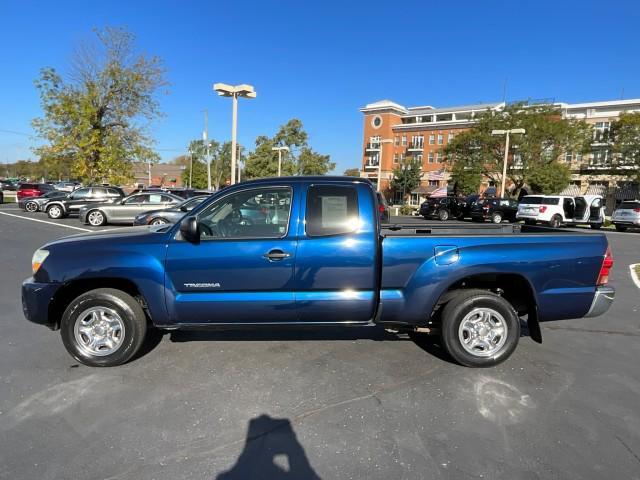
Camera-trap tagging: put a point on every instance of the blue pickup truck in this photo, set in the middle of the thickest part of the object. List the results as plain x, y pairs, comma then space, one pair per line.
312, 251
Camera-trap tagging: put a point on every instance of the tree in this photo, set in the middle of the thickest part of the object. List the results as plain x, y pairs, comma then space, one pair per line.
550, 179
352, 172
95, 117
406, 176
548, 135
625, 134
299, 160
466, 178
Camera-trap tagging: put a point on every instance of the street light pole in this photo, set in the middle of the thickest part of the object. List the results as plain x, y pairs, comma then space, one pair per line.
245, 91
280, 150
205, 139
506, 133
190, 166
379, 183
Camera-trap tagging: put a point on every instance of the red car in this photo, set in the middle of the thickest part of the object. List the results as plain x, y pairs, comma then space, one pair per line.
26, 190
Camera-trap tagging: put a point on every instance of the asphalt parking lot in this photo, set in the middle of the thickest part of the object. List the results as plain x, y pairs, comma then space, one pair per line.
343, 403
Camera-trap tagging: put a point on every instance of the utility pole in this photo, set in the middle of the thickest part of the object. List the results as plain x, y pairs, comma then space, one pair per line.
190, 165
280, 150
205, 138
506, 133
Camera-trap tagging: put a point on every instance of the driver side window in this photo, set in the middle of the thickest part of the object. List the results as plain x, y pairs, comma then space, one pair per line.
255, 213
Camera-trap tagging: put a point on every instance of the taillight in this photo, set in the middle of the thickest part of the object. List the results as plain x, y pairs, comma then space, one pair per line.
637, 210
607, 265
543, 209
381, 208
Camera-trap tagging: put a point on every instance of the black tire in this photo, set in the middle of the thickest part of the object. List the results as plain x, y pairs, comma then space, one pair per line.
555, 221
621, 228
497, 217
443, 215
31, 207
96, 218
55, 212
130, 313
463, 304
529, 222
596, 226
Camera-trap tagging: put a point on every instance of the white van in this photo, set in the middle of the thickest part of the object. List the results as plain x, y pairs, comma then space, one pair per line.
556, 210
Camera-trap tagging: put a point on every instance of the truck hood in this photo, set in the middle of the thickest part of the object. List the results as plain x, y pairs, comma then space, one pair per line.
126, 234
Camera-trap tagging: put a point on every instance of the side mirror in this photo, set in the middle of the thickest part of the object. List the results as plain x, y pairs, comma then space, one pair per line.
184, 209
190, 230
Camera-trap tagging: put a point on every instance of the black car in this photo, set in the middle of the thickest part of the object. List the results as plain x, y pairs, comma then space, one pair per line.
34, 204
494, 209
466, 204
8, 185
443, 208
81, 197
169, 215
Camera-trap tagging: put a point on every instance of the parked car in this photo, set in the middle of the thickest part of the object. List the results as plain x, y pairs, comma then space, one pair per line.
556, 210
60, 208
626, 215
383, 208
125, 211
8, 185
28, 190
320, 259
466, 204
35, 204
494, 209
66, 186
169, 215
1, 197
443, 208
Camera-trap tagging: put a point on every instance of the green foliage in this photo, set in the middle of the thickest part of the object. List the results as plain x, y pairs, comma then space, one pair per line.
352, 172
466, 177
299, 160
548, 135
93, 122
406, 176
550, 178
625, 133
406, 209
220, 155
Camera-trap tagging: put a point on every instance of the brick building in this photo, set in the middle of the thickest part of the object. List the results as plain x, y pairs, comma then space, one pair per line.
162, 174
393, 132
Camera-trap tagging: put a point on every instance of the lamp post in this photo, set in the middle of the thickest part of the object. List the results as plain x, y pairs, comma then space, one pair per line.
506, 133
379, 183
245, 91
190, 165
280, 150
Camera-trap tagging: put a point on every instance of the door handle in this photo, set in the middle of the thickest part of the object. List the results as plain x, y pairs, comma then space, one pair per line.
276, 255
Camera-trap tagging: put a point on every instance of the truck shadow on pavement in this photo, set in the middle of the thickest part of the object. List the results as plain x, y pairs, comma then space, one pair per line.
271, 451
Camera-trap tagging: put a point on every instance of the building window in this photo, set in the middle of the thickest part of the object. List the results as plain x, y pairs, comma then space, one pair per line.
402, 157
568, 157
430, 157
404, 140
395, 158
600, 157
578, 157
433, 183
417, 141
419, 157
450, 137
432, 139
376, 121
601, 132
440, 139
438, 157
396, 140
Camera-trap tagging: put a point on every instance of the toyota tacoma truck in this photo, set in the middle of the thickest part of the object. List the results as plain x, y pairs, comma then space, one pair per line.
311, 251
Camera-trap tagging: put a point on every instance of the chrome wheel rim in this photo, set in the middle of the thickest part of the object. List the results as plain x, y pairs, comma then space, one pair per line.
497, 218
55, 212
99, 331
31, 207
95, 218
158, 221
483, 332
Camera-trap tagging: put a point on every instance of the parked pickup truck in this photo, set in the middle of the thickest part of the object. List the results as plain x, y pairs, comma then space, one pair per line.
311, 251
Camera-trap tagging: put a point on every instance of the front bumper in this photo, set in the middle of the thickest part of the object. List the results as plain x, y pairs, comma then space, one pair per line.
36, 298
601, 301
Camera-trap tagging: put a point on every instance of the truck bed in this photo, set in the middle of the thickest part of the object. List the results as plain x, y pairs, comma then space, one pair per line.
440, 228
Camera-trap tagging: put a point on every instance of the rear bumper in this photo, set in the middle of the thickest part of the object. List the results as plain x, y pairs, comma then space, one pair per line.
601, 301
36, 298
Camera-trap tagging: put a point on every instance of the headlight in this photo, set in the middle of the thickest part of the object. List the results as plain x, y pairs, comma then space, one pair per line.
38, 259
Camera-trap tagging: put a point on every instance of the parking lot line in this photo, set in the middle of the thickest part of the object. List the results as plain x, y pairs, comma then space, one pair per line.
45, 221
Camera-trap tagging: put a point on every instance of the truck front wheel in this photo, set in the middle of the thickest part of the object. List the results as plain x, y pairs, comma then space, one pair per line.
479, 328
103, 327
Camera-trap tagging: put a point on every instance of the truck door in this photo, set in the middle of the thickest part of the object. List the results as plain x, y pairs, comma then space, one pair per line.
241, 271
336, 264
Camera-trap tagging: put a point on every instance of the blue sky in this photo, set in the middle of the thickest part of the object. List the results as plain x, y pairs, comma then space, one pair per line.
321, 61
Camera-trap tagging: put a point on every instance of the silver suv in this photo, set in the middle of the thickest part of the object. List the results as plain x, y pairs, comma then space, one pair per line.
626, 215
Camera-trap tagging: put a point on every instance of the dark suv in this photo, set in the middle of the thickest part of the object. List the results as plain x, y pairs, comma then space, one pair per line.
494, 209
443, 208
82, 197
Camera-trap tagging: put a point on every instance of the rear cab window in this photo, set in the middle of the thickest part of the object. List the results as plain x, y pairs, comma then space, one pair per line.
331, 210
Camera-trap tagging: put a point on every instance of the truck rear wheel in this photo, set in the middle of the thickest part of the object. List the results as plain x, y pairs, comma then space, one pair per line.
479, 328
103, 327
